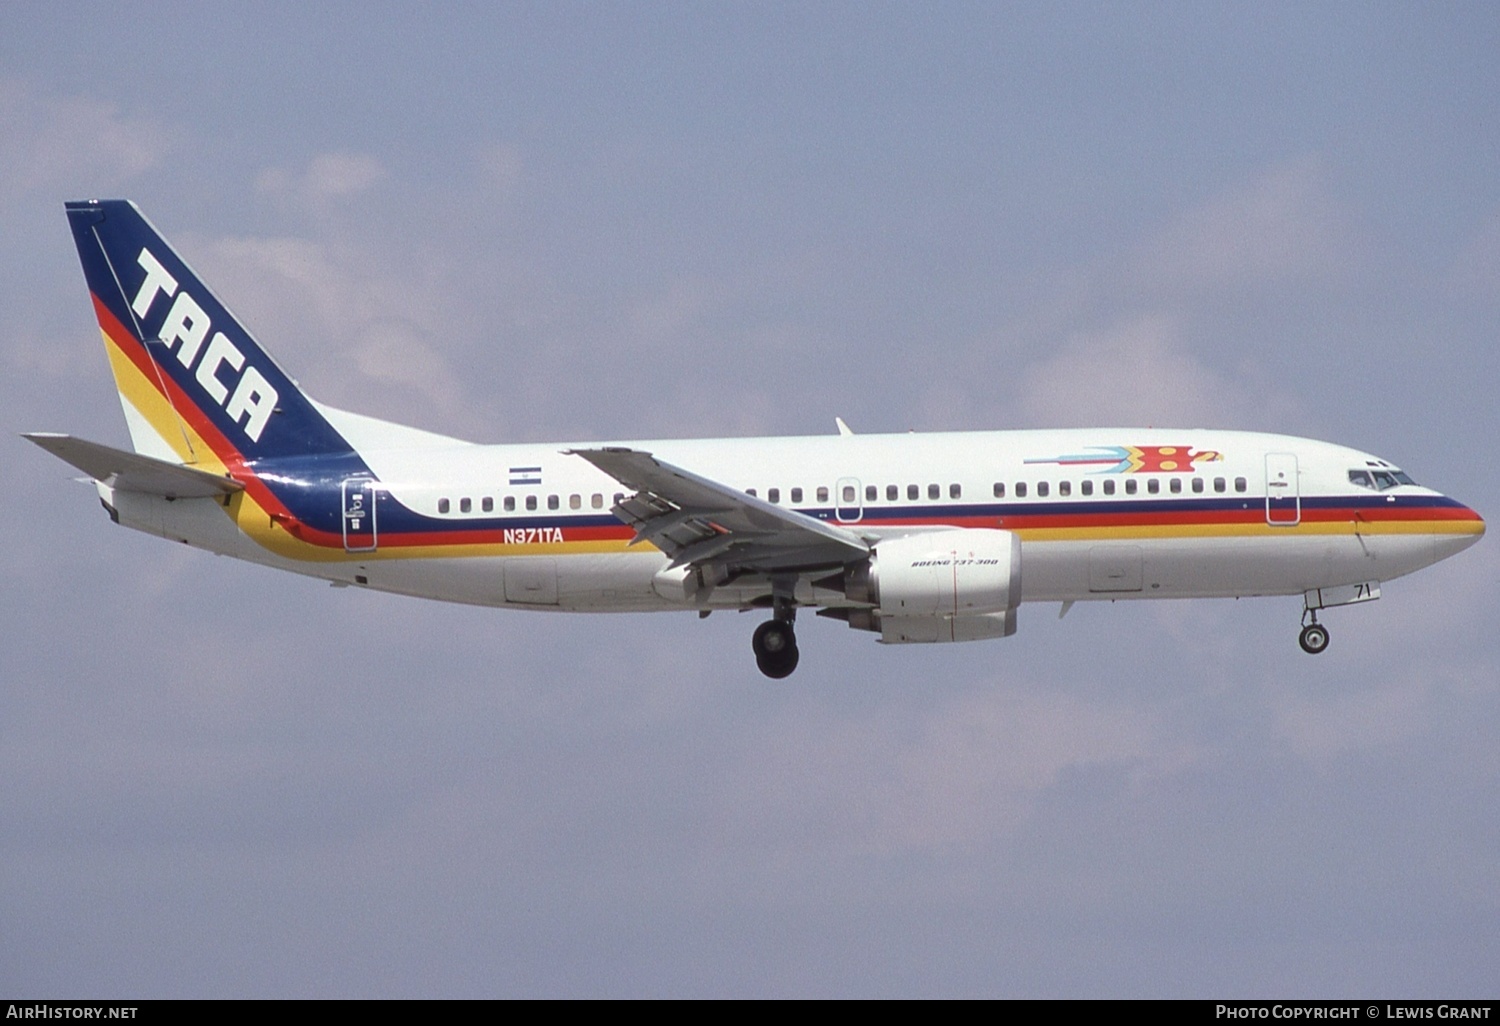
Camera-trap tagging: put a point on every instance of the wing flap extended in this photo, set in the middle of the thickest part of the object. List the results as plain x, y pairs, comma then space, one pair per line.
700, 522
132, 472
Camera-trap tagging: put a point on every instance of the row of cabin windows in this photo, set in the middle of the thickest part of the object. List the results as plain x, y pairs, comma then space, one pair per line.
531, 502
849, 495
1132, 487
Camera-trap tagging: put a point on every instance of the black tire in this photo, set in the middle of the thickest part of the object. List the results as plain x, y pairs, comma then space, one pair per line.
775, 645
1314, 638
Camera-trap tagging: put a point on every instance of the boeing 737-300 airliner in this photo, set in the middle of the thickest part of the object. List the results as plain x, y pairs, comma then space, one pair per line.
915, 537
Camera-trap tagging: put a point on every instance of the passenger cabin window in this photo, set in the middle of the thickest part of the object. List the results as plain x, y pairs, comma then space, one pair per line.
442, 505
1109, 487
575, 501
1020, 489
848, 494
823, 493
1154, 486
955, 491
1175, 486
796, 494
773, 494
552, 502
913, 492
750, 492
1197, 485
487, 504
999, 489
1065, 488
892, 493
619, 498
871, 493
597, 501
510, 504
1240, 484
934, 491
1042, 488
1086, 487
466, 505
1130, 486
531, 502
1218, 484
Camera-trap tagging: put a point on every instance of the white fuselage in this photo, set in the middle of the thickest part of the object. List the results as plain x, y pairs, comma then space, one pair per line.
542, 538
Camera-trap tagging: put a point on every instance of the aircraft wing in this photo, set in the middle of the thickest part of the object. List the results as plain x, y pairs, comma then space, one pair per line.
132, 472
700, 522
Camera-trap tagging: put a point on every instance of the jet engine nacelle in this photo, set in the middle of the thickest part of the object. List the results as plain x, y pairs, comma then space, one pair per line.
960, 585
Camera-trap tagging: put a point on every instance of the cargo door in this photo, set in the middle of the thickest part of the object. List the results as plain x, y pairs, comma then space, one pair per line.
531, 580
1115, 568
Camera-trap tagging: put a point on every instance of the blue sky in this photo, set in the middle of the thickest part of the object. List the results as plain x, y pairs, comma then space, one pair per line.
570, 221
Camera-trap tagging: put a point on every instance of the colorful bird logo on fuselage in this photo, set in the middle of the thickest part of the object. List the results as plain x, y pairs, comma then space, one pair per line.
1135, 459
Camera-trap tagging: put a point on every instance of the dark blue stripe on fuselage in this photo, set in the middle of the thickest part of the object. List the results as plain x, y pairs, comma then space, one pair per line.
312, 490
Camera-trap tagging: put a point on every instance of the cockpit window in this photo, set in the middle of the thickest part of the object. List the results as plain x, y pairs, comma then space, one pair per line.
1380, 480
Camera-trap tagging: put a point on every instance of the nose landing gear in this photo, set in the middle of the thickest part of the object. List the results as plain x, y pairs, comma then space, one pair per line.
1314, 638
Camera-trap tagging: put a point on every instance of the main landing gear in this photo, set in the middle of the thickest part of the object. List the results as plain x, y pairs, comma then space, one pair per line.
1314, 636
775, 642
775, 646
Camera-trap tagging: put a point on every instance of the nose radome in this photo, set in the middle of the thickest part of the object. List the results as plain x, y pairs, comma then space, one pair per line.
1472, 529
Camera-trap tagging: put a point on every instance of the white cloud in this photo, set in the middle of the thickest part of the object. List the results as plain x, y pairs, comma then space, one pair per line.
363, 349
328, 177
1137, 372
1137, 326
71, 144
1280, 225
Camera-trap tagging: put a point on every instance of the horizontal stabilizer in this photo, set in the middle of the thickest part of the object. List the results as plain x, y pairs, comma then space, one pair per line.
132, 472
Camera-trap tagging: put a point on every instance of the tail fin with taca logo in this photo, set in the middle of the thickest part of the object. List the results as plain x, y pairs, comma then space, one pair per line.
196, 387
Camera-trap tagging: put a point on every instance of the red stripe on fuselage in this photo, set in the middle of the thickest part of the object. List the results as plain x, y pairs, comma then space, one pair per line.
228, 453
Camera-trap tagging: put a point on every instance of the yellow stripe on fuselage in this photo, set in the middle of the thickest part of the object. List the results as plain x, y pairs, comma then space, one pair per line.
1253, 530
257, 523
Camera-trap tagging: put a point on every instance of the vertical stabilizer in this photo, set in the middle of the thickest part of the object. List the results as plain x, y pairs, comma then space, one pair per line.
195, 385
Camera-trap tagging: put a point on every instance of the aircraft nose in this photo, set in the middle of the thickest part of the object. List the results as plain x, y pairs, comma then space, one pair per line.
1469, 529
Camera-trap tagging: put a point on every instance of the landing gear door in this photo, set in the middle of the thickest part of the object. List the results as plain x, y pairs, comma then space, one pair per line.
1283, 496
359, 515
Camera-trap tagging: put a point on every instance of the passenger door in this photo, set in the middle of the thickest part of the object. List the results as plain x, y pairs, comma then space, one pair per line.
1283, 496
